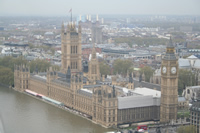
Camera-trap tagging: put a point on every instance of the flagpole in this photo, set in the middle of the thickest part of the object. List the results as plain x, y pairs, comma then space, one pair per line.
71, 14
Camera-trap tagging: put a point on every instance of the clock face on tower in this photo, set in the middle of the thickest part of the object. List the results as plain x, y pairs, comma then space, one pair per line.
173, 70
164, 69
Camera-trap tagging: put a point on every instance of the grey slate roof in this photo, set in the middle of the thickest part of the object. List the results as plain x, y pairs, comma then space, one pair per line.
184, 63
62, 75
195, 106
62, 82
197, 64
38, 78
146, 84
181, 99
91, 86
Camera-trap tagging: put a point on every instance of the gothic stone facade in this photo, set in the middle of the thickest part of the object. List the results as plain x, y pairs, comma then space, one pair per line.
169, 85
69, 86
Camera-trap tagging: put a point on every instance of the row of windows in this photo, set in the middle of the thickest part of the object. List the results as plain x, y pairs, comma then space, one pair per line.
24, 81
38, 87
137, 110
74, 65
84, 106
99, 117
134, 116
74, 50
94, 69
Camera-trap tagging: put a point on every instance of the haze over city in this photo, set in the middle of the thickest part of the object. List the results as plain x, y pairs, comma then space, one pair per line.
87, 66
62, 7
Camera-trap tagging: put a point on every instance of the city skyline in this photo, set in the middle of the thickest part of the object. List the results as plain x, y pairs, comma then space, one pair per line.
61, 7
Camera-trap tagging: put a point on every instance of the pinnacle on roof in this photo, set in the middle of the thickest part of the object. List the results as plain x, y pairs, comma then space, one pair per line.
170, 44
68, 75
63, 27
93, 51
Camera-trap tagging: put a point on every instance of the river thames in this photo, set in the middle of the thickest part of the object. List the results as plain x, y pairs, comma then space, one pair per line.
20, 113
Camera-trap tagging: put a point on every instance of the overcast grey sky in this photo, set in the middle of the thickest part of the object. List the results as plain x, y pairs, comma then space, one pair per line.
62, 7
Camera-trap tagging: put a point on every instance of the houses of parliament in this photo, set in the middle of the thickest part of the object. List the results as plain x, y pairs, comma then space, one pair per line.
84, 89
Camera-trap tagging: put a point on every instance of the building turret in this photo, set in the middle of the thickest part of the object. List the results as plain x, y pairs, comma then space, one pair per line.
130, 83
63, 28
105, 105
68, 75
21, 77
51, 74
93, 73
143, 77
79, 28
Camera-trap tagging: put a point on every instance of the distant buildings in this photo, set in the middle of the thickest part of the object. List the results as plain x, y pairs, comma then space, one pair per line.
87, 91
192, 93
97, 34
109, 101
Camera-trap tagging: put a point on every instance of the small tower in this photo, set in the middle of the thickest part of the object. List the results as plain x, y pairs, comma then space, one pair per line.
130, 82
63, 28
51, 74
143, 77
21, 77
68, 74
76, 83
105, 105
93, 73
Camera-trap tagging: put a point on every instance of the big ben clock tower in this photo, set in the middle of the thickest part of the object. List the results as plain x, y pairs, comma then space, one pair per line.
169, 85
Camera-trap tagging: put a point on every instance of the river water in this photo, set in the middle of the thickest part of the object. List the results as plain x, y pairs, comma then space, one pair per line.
20, 113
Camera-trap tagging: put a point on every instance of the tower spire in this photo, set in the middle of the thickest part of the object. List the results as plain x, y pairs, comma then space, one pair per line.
63, 27
70, 11
170, 51
93, 51
170, 44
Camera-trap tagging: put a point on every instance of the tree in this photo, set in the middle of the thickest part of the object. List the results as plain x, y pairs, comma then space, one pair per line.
104, 68
121, 66
185, 78
7, 67
56, 67
31, 46
186, 129
140, 41
40, 65
9, 61
52, 51
6, 76
131, 69
148, 72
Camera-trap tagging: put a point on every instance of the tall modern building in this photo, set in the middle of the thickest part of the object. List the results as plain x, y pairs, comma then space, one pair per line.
71, 48
97, 34
169, 85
